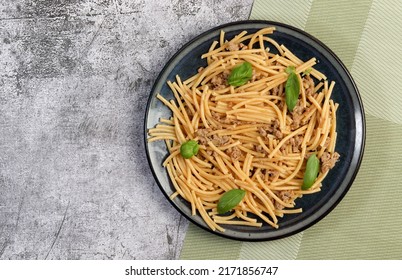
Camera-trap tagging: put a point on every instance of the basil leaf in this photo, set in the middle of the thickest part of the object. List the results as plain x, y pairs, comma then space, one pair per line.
240, 74
292, 89
189, 149
290, 69
311, 173
229, 200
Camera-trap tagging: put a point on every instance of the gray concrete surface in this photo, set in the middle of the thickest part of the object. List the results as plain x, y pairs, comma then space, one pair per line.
74, 80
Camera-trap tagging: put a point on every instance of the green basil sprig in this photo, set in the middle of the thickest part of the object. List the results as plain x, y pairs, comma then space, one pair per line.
189, 149
240, 74
292, 88
229, 200
311, 173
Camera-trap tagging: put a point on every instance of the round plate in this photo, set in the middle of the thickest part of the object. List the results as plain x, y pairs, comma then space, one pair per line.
350, 127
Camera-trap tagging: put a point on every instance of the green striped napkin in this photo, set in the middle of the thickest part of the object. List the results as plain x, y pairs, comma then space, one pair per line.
367, 224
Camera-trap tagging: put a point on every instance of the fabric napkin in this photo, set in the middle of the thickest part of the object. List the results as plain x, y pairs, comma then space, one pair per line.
367, 224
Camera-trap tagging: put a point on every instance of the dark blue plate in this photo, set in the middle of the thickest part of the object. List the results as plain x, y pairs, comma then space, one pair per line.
350, 126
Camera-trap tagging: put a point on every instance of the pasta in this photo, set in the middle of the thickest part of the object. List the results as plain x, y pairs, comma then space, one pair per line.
248, 137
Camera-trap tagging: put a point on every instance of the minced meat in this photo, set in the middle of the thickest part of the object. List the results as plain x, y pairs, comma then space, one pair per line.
328, 161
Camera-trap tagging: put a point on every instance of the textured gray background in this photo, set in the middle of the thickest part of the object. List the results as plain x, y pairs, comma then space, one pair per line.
74, 81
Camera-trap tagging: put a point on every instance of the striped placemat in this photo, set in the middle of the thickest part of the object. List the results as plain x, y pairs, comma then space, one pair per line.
367, 224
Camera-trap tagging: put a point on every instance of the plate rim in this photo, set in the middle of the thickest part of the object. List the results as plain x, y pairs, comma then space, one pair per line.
359, 102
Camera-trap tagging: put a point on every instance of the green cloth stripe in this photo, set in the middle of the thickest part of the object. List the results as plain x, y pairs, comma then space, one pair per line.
202, 245
367, 224
288, 11
339, 25
377, 66
281, 249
